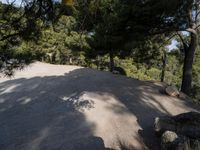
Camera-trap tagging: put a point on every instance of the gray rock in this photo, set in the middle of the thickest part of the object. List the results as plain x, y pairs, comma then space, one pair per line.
181, 132
171, 141
168, 140
190, 117
163, 124
187, 124
191, 131
172, 91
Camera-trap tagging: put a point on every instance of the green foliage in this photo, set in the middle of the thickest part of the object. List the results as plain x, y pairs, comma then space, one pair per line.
154, 73
17, 27
138, 71
132, 32
196, 76
173, 70
61, 44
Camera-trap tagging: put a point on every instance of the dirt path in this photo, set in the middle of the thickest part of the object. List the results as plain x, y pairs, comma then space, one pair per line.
55, 107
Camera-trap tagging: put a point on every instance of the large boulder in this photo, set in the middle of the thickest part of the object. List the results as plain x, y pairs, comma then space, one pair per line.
171, 141
181, 132
187, 124
188, 118
162, 124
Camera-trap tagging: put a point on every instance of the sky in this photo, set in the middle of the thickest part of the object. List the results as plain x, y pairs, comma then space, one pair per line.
6, 1
17, 2
174, 42
172, 45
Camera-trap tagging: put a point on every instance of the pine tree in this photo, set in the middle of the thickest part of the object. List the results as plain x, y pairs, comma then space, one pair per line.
167, 17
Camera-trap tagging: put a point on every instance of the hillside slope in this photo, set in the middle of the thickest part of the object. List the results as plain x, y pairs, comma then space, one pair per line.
72, 108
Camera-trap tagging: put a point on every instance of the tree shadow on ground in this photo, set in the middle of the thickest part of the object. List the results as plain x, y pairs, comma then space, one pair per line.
46, 112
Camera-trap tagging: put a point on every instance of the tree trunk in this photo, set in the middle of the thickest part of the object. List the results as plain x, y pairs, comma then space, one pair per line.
164, 61
111, 61
188, 62
97, 62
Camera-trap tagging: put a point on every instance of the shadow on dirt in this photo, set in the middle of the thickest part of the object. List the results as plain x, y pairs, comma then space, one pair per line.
45, 112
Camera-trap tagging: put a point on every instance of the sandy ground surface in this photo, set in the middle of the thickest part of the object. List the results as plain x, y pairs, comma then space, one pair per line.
55, 107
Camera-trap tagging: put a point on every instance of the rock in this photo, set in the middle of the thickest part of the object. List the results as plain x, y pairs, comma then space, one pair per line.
181, 132
189, 117
188, 124
172, 91
168, 140
189, 131
183, 96
163, 124
171, 141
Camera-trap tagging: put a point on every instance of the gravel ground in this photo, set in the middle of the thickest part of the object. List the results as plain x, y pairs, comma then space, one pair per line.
57, 107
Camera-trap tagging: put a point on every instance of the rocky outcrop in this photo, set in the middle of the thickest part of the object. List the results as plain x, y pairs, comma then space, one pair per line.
171, 141
181, 132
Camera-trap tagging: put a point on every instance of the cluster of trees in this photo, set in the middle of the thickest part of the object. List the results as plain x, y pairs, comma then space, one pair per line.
106, 34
